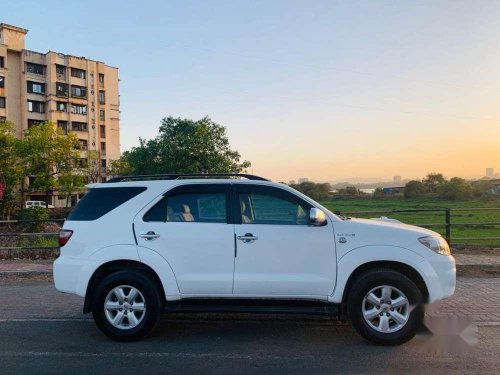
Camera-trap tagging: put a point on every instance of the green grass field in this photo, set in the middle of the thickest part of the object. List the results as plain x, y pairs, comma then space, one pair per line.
348, 205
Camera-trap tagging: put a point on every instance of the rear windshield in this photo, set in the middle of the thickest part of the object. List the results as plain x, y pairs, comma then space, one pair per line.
98, 202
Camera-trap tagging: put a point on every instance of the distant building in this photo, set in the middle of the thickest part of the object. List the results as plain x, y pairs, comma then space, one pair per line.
397, 180
292, 182
303, 179
79, 95
490, 172
393, 190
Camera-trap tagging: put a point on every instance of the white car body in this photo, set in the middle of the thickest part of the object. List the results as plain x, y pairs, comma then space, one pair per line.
240, 260
202, 261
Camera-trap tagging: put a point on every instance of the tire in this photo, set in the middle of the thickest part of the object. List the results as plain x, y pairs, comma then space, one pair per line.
389, 328
139, 317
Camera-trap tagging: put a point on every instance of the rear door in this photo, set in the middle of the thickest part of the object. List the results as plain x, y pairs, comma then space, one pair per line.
278, 252
189, 227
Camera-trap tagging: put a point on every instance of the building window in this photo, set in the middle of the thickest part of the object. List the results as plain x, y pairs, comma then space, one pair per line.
103, 165
2, 62
78, 73
62, 107
2, 82
32, 123
102, 114
35, 69
78, 91
2, 102
34, 106
61, 72
62, 89
78, 109
63, 125
83, 144
78, 126
81, 163
36, 87
102, 131
3, 118
103, 147
101, 79
102, 97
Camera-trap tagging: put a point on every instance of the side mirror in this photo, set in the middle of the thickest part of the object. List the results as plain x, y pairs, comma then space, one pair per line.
317, 217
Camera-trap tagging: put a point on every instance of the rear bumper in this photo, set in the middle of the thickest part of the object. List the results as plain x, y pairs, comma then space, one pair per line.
70, 274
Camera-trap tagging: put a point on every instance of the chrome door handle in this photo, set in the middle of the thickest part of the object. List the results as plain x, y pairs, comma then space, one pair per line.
248, 238
149, 236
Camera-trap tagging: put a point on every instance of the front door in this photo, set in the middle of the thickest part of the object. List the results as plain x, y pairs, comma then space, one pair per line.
189, 227
278, 252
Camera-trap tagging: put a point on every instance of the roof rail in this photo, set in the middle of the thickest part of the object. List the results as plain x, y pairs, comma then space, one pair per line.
180, 176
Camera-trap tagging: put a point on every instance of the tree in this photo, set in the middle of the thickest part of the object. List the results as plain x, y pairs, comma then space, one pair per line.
47, 153
316, 191
433, 181
351, 190
10, 167
414, 189
119, 167
378, 192
185, 146
456, 188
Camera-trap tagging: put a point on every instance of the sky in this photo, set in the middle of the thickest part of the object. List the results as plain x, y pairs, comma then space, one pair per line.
327, 90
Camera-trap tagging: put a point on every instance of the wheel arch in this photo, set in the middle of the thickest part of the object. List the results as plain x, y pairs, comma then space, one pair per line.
398, 266
110, 267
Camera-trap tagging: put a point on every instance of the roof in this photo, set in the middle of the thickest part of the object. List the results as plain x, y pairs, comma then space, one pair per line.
15, 28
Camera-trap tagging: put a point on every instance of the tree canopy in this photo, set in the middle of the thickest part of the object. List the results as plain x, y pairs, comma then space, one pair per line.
183, 146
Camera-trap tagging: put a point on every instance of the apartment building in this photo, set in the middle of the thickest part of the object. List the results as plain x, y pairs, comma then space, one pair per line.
77, 94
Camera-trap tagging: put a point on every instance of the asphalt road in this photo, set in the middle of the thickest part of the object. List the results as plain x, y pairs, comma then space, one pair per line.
41, 342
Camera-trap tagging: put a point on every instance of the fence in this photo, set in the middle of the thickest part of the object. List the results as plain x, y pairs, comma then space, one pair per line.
447, 225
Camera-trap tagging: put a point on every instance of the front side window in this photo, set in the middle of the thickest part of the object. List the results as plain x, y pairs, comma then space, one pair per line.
194, 207
261, 208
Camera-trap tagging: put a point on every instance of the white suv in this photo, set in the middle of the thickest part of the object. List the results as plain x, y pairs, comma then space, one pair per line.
137, 246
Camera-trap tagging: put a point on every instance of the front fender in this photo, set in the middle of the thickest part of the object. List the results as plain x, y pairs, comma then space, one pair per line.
366, 254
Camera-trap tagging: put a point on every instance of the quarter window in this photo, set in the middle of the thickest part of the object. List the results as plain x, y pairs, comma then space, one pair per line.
196, 207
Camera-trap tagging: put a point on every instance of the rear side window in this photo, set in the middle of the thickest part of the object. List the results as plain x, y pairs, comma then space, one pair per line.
98, 202
196, 207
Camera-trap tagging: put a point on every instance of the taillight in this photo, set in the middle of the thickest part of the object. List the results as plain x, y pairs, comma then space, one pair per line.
64, 236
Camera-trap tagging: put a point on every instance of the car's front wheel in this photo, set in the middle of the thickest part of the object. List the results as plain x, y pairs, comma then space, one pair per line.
384, 307
127, 305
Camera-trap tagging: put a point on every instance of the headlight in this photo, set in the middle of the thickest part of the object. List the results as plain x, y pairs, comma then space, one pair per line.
437, 244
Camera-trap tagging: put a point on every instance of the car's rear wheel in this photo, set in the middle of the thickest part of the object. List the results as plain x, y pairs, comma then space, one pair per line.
127, 305
384, 307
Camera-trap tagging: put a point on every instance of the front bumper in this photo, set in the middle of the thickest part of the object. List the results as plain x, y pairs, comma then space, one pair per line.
441, 277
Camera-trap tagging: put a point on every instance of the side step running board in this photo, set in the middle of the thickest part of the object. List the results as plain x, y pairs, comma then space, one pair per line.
253, 306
